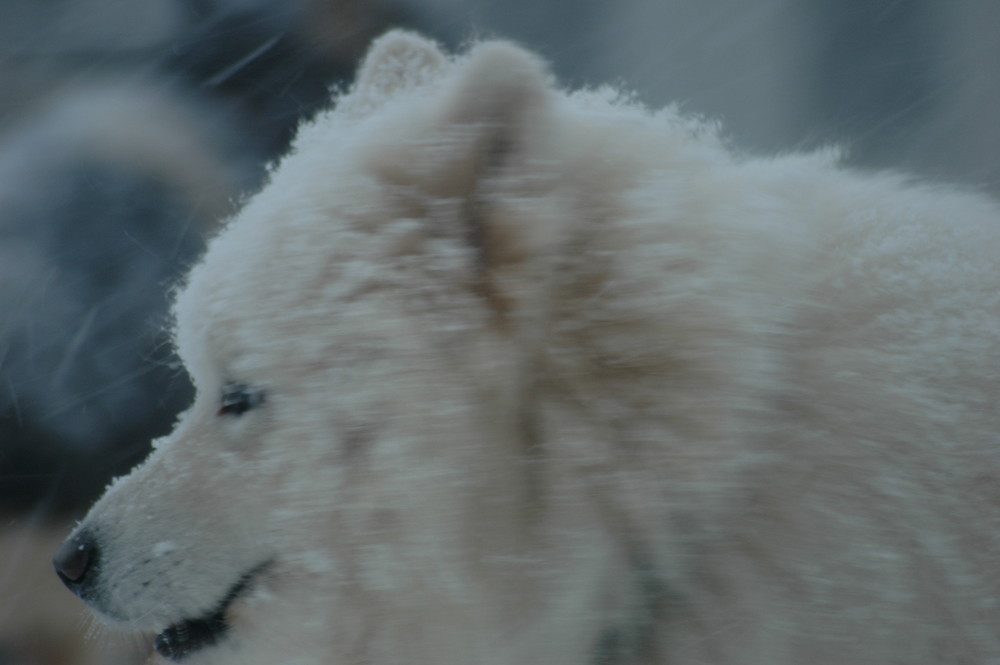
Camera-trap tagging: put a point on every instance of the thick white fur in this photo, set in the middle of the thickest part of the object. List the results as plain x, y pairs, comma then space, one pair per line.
553, 379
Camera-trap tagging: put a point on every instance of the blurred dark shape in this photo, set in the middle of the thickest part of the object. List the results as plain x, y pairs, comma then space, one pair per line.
107, 191
103, 199
274, 63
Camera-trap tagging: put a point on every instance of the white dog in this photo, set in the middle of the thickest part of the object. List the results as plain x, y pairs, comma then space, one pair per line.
491, 373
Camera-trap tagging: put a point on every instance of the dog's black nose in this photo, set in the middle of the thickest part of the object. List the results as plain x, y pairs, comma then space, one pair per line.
74, 559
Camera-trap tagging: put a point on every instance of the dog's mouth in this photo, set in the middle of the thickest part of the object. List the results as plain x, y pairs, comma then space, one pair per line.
180, 640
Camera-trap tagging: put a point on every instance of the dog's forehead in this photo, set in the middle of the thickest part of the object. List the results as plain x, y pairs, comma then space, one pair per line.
326, 226
266, 282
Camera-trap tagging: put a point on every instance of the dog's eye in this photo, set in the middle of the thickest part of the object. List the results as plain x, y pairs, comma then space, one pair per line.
237, 399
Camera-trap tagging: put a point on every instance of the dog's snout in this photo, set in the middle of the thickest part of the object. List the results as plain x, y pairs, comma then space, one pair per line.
75, 559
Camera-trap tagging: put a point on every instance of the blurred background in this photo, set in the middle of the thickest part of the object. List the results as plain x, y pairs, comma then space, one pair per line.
129, 129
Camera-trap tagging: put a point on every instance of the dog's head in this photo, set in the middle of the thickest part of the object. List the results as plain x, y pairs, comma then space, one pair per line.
391, 344
356, 337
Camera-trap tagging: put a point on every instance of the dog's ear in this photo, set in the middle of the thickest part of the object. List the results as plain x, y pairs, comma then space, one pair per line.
504, 131
498, 98
395, 61
499, 111
484, 152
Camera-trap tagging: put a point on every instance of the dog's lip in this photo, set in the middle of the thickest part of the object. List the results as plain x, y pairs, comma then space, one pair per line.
184, 637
